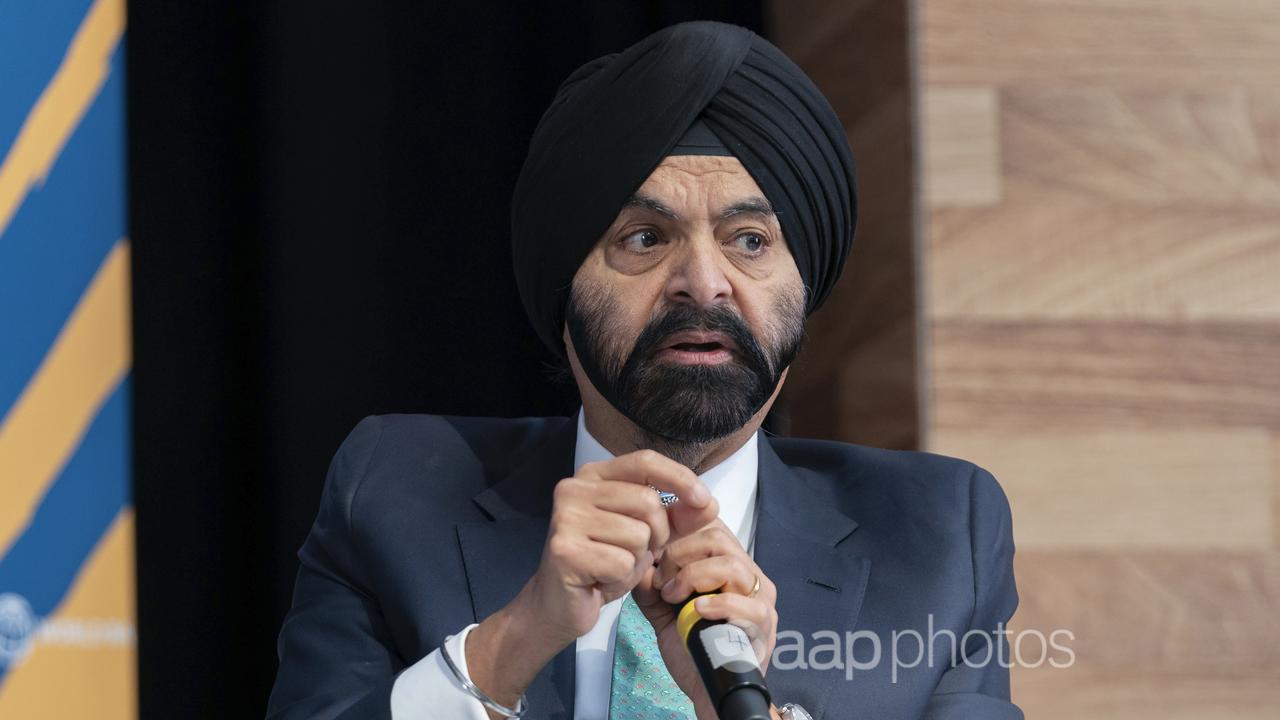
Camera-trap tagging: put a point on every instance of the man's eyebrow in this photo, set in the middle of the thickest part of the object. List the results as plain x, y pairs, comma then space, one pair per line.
649, 202
751, 206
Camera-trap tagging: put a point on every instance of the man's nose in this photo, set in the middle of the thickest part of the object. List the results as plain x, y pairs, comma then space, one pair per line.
698, 276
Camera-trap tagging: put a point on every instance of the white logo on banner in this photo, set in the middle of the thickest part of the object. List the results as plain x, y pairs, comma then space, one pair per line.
16, 625
20, 630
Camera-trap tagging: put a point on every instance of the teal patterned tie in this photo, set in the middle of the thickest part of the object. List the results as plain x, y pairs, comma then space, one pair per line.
642, 687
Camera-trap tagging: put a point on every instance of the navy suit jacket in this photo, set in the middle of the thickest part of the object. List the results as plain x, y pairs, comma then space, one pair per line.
430, 523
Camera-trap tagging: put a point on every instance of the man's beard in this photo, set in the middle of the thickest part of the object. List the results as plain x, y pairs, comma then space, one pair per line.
682, 407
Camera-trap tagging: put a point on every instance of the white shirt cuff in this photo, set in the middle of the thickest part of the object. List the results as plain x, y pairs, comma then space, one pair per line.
427, 690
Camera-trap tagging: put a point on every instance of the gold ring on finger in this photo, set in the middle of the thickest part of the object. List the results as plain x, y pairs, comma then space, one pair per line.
755, 588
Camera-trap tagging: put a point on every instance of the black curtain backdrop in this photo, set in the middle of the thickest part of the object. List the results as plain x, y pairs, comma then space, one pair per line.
319, 203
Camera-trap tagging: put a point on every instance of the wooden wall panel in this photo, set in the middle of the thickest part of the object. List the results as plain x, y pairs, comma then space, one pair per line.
1185, 634
962, 167
1110, 261
1118, 191
1275, 489
1168, 611
1149, 145
1134, 692
1109, 487
1103, 315
1118, 42
1044, 376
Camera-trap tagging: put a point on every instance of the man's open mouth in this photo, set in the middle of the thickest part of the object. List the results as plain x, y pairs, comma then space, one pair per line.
698, 347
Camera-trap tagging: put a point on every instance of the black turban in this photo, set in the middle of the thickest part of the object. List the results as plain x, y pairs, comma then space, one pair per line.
613, 121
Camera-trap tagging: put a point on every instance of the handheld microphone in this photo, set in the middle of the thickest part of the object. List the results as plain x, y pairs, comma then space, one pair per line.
726, 662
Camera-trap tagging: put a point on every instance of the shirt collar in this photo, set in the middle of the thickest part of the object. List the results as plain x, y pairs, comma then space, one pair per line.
733, 481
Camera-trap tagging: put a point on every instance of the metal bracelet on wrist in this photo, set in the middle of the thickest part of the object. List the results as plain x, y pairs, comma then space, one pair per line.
522, 705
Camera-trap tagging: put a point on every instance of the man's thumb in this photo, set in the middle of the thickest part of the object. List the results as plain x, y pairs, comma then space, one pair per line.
648, 598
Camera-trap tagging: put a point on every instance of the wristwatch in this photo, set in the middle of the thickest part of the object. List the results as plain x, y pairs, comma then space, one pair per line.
792, 711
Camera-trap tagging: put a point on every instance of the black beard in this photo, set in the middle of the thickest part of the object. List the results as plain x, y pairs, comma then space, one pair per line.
682, 407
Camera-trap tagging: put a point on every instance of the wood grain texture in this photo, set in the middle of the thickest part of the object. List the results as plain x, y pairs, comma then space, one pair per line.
1040, 376
1155, 145
961, 146
1186, 634
1156, 203
1176, 611
1123, 694
1155, 634
1107, 262
1275, 490
1113, 42
1125, 488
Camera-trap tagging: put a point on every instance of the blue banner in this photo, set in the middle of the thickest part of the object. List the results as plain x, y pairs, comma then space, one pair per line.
67, 637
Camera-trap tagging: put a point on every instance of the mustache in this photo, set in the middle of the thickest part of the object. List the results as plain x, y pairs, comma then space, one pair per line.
676, 404
686, 318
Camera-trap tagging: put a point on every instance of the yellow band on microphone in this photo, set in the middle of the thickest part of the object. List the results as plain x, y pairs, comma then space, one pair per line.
687, 617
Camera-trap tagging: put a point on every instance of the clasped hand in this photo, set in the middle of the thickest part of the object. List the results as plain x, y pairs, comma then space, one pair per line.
610, 534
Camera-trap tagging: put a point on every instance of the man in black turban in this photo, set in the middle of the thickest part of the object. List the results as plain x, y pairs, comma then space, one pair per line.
684, 205
615, 119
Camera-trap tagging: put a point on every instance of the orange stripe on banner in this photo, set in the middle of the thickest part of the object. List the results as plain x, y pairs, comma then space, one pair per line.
86, 676
56, 114
84, 366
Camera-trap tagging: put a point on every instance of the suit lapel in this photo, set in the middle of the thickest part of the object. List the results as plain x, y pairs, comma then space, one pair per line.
820, 584
502, 554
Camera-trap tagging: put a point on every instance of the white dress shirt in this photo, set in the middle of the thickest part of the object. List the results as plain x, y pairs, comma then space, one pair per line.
427, 690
